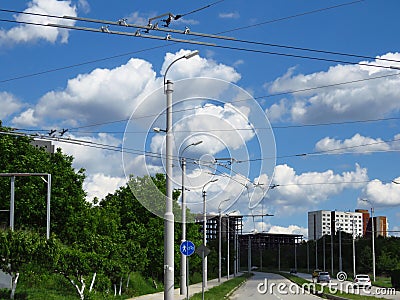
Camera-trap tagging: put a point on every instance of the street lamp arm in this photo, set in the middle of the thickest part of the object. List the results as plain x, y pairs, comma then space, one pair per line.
187, 56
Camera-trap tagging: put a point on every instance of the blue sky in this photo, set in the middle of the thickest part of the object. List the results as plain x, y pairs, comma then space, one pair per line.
315, 101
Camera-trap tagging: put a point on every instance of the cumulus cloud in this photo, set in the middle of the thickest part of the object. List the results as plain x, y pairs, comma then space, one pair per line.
88, 153
311, 188
358, 100
9, 105
357, 144
112, 94
29, 33
100, 185
382, 194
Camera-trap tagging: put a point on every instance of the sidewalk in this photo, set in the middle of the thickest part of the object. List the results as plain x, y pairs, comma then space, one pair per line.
193, 289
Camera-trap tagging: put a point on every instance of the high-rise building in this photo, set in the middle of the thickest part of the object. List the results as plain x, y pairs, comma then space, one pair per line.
326, 222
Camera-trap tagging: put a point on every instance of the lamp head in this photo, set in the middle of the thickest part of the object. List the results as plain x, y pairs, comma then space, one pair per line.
191, 54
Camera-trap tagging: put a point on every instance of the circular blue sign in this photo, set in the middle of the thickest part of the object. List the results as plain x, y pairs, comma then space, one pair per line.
187, 248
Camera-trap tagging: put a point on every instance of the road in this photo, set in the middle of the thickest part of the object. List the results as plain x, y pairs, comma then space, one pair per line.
270, 286
347, 286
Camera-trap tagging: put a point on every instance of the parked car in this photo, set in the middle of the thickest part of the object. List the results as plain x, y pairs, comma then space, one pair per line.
362, 280
323, 277
293, 271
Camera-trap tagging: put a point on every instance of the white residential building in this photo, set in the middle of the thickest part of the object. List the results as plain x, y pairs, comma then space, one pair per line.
324, 222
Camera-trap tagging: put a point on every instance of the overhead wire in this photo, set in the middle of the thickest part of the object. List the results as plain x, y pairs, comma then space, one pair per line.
236, 29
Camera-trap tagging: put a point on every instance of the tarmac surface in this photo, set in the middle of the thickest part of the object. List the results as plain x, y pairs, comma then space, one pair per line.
193, 289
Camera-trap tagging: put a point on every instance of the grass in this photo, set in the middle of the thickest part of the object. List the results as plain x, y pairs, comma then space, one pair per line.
55, 287
220, 291
325, 289
383, 281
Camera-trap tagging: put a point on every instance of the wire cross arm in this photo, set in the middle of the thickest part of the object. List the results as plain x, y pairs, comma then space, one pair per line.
134, 34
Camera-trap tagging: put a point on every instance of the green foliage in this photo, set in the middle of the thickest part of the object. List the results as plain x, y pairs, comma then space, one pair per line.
395, 278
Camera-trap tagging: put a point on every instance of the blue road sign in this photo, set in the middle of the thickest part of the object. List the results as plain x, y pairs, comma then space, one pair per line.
187, 248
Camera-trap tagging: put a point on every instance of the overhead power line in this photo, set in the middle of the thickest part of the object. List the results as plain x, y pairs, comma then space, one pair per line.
156, 155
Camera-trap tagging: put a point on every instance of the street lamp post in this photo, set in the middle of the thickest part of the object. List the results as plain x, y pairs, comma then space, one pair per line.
205, 233
373, 235
340, 247
169, 216
183, 257
219, 240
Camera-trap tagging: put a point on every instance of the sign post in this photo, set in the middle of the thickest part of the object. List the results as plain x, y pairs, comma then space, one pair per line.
187, 248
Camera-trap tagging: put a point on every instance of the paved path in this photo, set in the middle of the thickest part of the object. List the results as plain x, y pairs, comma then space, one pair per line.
193, 289
270, 286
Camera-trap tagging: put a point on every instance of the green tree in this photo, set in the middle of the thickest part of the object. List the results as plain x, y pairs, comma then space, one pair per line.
18, 249
68, 205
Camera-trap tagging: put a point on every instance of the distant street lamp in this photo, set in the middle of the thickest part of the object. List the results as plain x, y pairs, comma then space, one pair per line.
169, 215
373, 235
219, 240
183, 257
205, 231
340, 246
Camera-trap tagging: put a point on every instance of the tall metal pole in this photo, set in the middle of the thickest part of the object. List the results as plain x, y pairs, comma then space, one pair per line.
323, 250
279, 256
228, 258
340, 249
219, 247
249, 256
354, 250
169, 216
12, 203
235, 251
48, 205
308, 257
373, 242
204, 240
169, 228
332, 231
183, 257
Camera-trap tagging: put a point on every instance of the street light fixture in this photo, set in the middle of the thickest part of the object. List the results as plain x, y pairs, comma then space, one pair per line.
373, 235
183, 257
169, 215
205, 232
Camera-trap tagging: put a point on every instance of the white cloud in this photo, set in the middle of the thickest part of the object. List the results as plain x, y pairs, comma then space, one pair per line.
88, 154
360, 100
100, 185
27, 33
229, 15
9, 105
356, 144
277, 111
291, 229
197, 67
295, 192
112, 94
382, 194
26, 118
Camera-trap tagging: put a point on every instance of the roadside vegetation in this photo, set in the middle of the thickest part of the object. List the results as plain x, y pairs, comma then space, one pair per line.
220, 291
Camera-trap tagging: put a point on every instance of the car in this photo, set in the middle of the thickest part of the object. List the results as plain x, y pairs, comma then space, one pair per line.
293, 271
362, 280
323, 277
